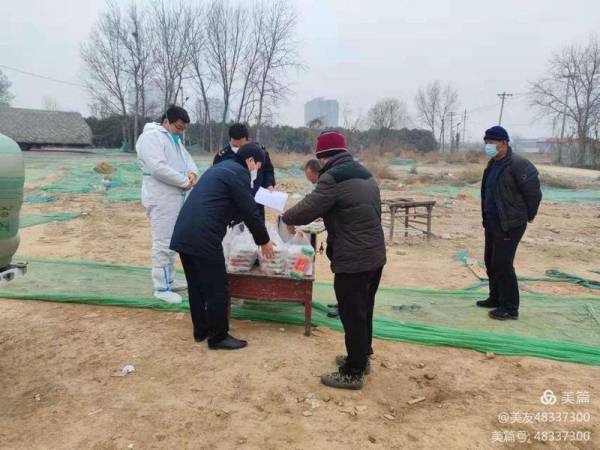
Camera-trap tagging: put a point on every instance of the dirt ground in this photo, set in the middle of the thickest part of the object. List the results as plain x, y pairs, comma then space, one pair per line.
57, 361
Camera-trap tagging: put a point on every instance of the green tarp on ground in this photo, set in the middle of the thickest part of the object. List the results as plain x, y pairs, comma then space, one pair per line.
560, 328
29, 220
68, 174
556, 195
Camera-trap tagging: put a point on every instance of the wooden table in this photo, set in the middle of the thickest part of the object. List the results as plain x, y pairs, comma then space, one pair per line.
257, 286
254, 285
410, 211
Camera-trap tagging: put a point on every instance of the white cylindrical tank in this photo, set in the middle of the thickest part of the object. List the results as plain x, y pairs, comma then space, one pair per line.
12, 179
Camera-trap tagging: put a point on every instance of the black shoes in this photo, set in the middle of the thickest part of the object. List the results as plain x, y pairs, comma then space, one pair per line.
499, 313
229, 343
488, 303
333, 312
340, 360
342, 381
503, 314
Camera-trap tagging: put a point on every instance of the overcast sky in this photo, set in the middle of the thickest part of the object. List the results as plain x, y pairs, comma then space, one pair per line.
354, 51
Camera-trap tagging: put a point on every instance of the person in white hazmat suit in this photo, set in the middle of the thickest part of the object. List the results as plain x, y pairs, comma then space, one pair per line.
169, 173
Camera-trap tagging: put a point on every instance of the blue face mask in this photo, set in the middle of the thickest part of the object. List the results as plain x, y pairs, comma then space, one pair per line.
176, 138
491, 150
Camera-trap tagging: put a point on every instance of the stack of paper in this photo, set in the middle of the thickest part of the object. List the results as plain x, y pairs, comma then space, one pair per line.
275, 200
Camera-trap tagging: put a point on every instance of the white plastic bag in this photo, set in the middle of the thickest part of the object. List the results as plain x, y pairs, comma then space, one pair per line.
315, 227
232, 232
277, 265
242, 253
300, 257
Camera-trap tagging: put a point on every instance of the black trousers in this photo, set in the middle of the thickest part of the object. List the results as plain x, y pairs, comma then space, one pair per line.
355, 293
500, 249
207, 290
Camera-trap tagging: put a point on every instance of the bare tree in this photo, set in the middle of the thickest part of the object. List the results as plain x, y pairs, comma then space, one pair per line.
387, 114
104, 59
571, 88
200, 75
172, 29
448, 103
224, 38
316, 123
351, 122
138, 43
5, 96
428, 102
434, 102
278, 53
251, 54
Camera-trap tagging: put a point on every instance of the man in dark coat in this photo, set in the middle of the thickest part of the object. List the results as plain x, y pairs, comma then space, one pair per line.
510, 198
222, 192
347, 198
263, 177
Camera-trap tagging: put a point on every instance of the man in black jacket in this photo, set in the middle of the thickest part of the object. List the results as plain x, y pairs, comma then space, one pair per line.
347, 198
223, 190
263, 177
510, 198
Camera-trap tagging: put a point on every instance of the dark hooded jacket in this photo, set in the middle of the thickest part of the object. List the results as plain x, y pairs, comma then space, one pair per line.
347, 198
517, 192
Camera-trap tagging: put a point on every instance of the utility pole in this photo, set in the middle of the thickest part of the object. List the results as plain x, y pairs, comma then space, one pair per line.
451, 114
464, 133
442, 134
503, 97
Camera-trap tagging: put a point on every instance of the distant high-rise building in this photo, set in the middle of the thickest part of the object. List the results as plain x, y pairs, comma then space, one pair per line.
322, 113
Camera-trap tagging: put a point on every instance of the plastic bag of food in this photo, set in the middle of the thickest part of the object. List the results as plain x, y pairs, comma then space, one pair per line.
277, 265
300, 257
242, 252
232, 232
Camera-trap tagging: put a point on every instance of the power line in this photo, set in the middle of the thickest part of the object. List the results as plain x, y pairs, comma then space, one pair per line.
70, 83
494, 105
481, 108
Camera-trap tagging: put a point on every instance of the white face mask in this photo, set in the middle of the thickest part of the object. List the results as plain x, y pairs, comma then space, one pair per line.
253, 175
235, 149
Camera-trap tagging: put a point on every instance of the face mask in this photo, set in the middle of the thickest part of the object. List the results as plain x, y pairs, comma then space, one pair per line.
235, 149
253, 175
491, 150
176, 138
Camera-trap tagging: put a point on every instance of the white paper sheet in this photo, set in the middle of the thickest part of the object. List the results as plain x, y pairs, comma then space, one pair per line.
275, 200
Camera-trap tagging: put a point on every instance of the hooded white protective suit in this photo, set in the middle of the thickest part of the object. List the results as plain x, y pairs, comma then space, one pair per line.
165, 165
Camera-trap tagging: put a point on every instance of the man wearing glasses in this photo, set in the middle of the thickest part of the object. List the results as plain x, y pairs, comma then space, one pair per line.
169, 173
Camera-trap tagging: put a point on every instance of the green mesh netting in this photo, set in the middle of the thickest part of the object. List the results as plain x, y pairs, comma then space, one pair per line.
552, 275
561, 328
74, 174
29, 220
401, 162
579, 196
557, 275
39, 198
